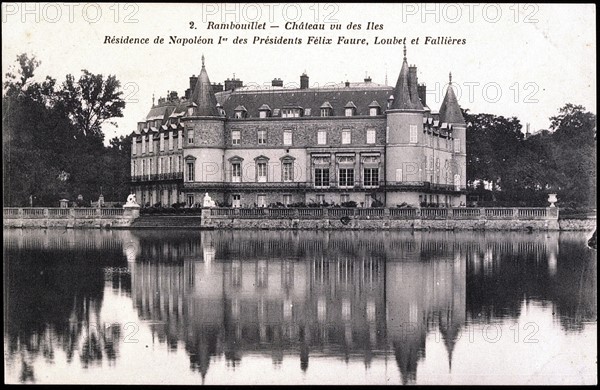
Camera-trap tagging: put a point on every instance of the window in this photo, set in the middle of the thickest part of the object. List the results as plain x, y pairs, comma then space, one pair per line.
373, 111
133, 167
456, 145
287, 199
291, 112
399, 175
263, 114
371, 136
150, 167
261, 172
133, 146
371, 177
190, 136
344, 198
261, 200
170, 167
236, 137
320, 198
349, 111
179, 139
143, 167
143, 144
150, 143
161, 142
287, 137
190, 200
457, 181
346, 137
346, 177
321, 177
326, 111
190, 174
178, 163
160, 165
262, 137
170, 140
236, 172
288, 171
322, 137
413, 134
236, 200
307, 112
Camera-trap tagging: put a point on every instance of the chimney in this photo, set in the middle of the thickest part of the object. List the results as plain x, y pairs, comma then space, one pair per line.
413, 86
233, 83
303, 81
347, 83
367, 79
193, 81
279, 82
217, 87
422, 93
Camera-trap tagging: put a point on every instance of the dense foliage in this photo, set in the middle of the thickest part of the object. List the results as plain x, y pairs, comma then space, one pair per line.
53, 144
523, 171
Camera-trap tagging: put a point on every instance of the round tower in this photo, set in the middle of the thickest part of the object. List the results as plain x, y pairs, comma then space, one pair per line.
451, 114
404, 133
204, 142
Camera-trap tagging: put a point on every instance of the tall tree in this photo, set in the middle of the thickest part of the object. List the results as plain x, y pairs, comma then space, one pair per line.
91, 101
52, 136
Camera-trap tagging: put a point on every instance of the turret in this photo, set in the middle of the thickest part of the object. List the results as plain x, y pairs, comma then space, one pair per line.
203, 95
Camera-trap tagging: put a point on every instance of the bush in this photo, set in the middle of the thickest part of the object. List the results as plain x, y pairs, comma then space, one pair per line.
349, 203
378, 203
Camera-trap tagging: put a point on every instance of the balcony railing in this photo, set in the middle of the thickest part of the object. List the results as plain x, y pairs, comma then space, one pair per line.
332, 186
60, 213
158, 177
529, 213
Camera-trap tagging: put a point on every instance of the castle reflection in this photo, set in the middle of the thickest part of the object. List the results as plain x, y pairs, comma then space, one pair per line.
351, 295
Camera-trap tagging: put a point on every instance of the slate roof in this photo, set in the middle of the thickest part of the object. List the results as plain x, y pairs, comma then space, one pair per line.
450, 110
312, 98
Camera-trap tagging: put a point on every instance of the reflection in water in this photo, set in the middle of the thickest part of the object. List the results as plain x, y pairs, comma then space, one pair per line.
351, 295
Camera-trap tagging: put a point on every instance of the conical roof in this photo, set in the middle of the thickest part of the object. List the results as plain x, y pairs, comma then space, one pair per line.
401, 92
450, 110
203, 95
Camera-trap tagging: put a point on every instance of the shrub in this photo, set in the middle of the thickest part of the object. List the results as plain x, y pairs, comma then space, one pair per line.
349, 203
378, 203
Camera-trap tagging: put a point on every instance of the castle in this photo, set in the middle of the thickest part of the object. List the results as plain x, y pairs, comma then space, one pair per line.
263, 146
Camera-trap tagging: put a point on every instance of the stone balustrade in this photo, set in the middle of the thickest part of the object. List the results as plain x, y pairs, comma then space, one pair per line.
67, 217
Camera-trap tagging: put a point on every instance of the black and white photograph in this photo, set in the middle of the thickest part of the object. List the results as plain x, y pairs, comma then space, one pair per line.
299, 193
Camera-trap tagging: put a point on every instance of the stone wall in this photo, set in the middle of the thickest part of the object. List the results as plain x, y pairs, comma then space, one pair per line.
588, 224
363, 224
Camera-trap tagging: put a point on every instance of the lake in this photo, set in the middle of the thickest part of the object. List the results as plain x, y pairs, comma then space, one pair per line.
285, 307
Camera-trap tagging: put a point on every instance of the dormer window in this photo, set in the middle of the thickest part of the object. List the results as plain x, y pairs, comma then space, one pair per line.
326, 109
191, 109
264, 111
350, 109
390, 101
240, 112
374, 108
220, 110
291, 112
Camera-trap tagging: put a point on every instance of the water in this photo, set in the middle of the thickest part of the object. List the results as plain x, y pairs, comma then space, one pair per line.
183, 307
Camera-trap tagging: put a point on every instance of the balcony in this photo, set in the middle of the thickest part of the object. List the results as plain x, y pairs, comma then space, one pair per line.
157, 177
333, 186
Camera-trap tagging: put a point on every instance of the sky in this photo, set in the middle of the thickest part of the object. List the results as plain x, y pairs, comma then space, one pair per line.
523, 60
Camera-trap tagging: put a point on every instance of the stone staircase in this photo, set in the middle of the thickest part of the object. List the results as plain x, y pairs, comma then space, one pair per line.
167, 221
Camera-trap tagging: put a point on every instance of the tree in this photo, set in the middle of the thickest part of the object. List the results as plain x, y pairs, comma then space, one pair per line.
91, 101
52, 137
523, 171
